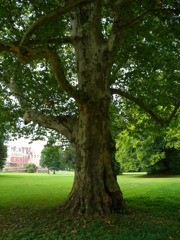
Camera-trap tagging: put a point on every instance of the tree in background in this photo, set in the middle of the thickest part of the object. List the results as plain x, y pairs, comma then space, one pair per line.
135, 154
3, 151
141, 146
68, 157
67, 62
51, 157
31, 167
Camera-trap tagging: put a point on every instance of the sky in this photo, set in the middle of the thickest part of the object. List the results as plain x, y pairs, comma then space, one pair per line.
36, 145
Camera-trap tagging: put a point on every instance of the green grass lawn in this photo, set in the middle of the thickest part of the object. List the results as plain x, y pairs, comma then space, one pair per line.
29, 209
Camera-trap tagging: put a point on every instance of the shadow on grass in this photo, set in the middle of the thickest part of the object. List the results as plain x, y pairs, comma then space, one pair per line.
157, 176
155, 204
48, 223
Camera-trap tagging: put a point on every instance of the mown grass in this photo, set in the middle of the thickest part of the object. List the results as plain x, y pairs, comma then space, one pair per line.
29, 209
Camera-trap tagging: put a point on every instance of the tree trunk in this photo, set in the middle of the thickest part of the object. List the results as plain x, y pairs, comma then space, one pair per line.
95, 189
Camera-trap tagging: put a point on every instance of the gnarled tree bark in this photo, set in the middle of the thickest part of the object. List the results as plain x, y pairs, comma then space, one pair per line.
95, 189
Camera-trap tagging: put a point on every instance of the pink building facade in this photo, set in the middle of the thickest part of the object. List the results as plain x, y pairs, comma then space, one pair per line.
21, 156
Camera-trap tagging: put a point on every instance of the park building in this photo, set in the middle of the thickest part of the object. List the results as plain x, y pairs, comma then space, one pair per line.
21, 156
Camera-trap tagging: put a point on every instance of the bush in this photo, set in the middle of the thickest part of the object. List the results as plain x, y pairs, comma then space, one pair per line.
14, 169
31, 165
31, 170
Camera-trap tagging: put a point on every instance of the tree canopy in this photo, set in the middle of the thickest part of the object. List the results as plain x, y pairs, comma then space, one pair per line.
67, 66
145, 69
143, 152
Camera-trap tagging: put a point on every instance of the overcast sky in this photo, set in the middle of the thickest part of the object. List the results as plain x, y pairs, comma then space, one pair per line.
36, 145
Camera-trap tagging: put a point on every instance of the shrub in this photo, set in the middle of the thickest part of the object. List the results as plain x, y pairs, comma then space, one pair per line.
31, 170
31, 165
14, 169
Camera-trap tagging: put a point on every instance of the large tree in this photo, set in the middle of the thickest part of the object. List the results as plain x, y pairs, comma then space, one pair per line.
66, 60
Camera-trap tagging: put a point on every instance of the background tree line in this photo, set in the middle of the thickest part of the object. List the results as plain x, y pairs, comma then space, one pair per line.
55, 158
145, 146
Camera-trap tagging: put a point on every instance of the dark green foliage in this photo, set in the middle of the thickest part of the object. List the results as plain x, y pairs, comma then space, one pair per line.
3, 151
69, 157
168, 165
117, 167
173, 155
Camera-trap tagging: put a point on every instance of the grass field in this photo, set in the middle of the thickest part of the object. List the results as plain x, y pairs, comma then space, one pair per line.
29, 209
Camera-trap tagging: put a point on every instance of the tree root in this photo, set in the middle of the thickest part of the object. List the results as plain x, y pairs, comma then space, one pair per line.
108, 204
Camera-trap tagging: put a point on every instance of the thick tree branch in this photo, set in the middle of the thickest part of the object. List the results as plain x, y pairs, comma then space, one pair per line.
177, 106
53, 15
146, 108
148, 12
14, 46
9, 47
117, 29
16, 92
60, 77
26, 55
60, 124
61, 40
96, 21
